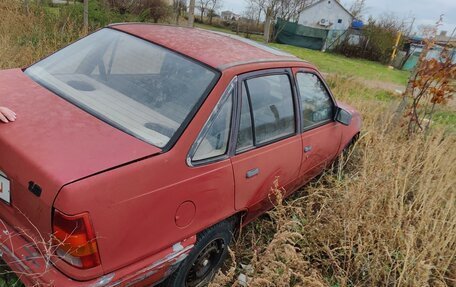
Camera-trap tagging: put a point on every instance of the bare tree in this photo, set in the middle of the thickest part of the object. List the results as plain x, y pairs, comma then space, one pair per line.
248, 20
213, 6
124, 5
203, 6
178, 7
358, 8
285, 9
157, 9
289, 10
251, 12
255, 8
427, 31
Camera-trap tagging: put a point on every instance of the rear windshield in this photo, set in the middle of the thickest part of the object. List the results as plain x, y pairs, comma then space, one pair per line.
141, 88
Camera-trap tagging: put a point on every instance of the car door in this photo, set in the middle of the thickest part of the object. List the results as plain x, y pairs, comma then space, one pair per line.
321, 134
268, 145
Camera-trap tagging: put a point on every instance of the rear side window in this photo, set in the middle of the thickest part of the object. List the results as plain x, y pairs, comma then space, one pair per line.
317, 106
271, 98
212, 142
245, 137
215, 142
267, 111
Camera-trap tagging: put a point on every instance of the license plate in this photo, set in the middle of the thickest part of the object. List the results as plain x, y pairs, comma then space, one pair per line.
5, 188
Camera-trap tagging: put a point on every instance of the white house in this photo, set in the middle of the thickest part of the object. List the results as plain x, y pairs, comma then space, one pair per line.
228, 16
326, 14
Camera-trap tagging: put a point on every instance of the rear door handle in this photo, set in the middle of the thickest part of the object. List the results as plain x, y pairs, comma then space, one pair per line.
252, 172
307, 148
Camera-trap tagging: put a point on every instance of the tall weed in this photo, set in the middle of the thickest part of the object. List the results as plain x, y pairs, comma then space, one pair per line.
387, 217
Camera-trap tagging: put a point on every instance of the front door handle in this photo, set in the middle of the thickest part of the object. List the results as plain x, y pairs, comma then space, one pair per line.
307, 148
252, 172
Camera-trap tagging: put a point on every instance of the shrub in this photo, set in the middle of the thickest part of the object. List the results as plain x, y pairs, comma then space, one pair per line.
376, 42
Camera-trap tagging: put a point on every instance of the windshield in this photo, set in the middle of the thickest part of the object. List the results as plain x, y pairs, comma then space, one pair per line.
139, 87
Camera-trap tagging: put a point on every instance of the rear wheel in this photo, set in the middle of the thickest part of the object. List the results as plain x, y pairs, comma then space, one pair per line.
206, 257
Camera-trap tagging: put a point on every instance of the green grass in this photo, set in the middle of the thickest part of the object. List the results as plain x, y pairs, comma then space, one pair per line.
445, 117
54, 11
334, 63
8, 278
213, 28
258, 38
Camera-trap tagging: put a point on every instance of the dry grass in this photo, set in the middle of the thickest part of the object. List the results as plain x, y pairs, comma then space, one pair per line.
386, 216
24, 38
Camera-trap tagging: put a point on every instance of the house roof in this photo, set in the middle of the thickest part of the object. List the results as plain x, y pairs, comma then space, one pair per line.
218, 50
321, 1
444, 39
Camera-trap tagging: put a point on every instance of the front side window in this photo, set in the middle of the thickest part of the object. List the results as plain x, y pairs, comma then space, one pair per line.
317, 106
141, 88
271, 99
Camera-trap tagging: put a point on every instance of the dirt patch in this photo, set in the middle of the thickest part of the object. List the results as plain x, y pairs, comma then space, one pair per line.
390, 87
395, 88
376, 84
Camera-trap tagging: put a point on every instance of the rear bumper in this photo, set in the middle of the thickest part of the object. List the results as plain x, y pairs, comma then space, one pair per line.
35, 268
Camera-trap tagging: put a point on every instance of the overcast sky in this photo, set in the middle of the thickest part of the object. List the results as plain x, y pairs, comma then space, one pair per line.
424, 11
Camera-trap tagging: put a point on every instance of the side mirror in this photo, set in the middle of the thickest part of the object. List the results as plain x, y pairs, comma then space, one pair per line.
343, 117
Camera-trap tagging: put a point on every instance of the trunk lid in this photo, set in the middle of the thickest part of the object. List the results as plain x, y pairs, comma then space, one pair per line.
52, 143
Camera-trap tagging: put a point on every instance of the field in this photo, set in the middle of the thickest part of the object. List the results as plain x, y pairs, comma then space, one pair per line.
385, 215
337, 64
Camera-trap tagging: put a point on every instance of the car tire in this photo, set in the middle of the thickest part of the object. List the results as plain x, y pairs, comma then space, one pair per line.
206, 257
351, 144
344, 153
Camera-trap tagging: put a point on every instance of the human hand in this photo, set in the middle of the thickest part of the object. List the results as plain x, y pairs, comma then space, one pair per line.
7, 115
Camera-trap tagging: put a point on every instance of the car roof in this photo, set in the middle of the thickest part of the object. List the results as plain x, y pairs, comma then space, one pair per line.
216, 49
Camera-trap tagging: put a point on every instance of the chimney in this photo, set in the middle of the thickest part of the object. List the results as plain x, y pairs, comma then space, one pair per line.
443, 33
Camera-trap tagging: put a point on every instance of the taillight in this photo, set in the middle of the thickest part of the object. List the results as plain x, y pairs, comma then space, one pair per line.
75, 240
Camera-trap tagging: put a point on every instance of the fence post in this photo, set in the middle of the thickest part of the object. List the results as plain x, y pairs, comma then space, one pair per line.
267, 25
86, 16
393, 54
191, 13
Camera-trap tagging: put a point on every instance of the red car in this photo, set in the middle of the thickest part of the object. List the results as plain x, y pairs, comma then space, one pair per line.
139, 149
